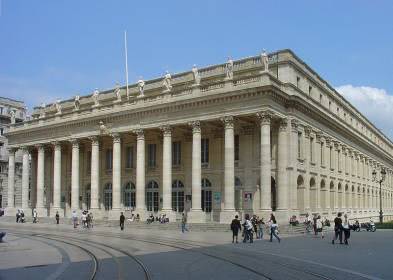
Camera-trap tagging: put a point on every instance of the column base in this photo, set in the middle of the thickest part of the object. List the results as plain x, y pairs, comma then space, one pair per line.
52, 212
97, 213
143, 214
226, 216
265, 214
114, 214
196, 216
11, 211
42, 212
282, 216
170, 214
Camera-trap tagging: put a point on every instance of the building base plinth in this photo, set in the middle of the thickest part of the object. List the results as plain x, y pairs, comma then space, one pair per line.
52, 212
11, 211
226, 216
282, 216
265, 214
42, 212
143, 214
114, 214
171, 215
196, 216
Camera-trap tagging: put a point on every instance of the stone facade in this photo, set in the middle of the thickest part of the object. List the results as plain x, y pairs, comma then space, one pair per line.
11, 111
256, 135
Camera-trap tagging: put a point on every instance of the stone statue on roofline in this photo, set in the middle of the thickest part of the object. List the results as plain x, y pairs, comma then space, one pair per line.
12, 114
117, 93
95, 96
265, 61
229, 69
197, 77
167, 82
58, 107
141, 87
77, 103
42, 110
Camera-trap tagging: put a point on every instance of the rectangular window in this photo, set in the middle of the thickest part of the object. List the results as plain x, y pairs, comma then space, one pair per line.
130, 157
151, 155
176, 153
320, 98
299, 145
330, 157
309, 90
1, 131
1, 110
109, 161
237, 146
297, 81
338, 161
205, 151
311, 149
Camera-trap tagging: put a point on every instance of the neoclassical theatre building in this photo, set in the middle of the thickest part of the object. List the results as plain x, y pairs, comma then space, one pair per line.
256, 135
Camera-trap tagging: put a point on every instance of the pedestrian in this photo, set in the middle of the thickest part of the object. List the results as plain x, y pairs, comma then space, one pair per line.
261, 225
346, 229
273, 228
338, 228
314, 224
17, 216
88, 220
22, 216
254, 222
247, 229
319, 226
183, 223
74, 218
91, 219
35, 216
122, 219
83, 219
235, 227
57, 217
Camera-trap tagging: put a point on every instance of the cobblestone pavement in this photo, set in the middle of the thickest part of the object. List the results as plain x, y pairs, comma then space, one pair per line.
43, 251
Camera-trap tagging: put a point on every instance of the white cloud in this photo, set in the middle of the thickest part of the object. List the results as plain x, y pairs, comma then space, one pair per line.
374, 103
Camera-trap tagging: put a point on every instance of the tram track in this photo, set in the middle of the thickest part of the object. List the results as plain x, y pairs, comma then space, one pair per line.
199, 248
97, 245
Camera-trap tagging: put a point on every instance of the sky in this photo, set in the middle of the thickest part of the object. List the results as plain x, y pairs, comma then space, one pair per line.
53, 50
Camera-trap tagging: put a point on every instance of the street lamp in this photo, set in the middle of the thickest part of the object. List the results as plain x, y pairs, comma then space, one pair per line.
383, 174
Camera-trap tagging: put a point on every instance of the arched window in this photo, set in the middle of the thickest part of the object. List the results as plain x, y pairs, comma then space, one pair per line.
177, 196
152, 196
206, 197
129, 195
108, 196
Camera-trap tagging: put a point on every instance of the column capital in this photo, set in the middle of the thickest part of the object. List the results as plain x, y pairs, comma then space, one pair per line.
75, 143
166, 130
265, 117
25, 149
40, 147
140, 133
95, 140
11, 150
196, 126
319, 136
307, 131
294, 125
283, 124
116, 137
228, 122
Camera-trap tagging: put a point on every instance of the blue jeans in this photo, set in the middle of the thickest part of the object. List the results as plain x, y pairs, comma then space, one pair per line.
260, 233
183, 228
273, 232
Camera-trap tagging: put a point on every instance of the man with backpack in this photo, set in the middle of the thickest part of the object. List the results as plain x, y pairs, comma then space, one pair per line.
235, 227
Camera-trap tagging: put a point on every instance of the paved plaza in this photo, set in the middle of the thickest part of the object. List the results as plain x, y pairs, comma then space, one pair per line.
45, 251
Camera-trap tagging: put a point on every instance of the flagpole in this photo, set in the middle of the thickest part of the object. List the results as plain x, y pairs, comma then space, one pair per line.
125, 49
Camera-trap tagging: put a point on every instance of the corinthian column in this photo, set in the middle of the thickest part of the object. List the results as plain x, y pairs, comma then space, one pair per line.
116, 173
167, 169
11, 178
95, 173
196, 215
140, 172
265, 171
25, 177
57, 177
40, 181
75, 176
282, 180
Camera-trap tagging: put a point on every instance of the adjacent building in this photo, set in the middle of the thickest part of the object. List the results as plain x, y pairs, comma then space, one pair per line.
11, 111
257, 135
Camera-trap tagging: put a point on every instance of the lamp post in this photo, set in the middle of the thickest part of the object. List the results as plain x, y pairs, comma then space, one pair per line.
383, 174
